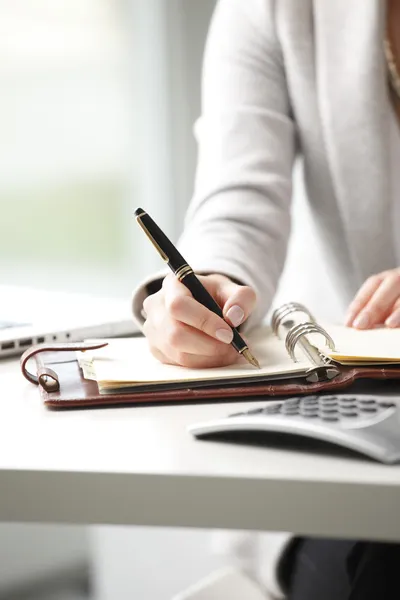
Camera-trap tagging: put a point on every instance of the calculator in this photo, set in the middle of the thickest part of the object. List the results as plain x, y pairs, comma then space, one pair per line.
365, 424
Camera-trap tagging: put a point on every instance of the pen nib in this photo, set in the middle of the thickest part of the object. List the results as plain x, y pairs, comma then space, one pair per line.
250, 358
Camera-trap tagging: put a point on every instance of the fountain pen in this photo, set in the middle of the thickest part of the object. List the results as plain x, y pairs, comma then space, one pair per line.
185, 274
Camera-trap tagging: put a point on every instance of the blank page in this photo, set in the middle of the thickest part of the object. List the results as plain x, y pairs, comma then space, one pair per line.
129, 362
370, 346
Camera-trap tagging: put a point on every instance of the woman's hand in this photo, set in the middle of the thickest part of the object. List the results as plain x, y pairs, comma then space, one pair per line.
377, 302
181, 331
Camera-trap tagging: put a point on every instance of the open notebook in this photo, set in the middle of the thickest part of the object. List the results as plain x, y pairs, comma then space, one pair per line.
294, 345
298, 355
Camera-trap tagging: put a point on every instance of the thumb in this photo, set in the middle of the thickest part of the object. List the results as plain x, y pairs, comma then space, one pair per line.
237, 301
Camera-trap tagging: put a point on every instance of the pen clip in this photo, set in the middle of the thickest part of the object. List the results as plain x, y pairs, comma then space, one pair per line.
156, 246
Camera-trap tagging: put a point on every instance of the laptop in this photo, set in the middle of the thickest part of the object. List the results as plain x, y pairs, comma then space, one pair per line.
32, 316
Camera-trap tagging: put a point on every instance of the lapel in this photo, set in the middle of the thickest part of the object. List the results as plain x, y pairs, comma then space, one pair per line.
354, 105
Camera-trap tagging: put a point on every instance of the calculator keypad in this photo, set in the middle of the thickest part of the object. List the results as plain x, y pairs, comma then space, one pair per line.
330, 409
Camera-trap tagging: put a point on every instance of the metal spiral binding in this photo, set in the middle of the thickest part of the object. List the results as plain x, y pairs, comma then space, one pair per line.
324, 367
296, 334
284, 311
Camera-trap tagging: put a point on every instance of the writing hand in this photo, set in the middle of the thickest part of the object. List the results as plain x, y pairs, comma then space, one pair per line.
181, 331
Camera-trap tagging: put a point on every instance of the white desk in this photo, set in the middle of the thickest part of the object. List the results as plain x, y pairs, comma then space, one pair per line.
140, 466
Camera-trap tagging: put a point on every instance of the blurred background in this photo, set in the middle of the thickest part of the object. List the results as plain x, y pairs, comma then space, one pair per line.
97, 104
98, 99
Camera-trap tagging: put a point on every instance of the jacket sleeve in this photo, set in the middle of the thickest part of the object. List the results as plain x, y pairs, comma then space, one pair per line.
238, 221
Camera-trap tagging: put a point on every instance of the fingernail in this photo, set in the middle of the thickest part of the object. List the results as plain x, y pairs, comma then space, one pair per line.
236, 315
349, 317
224, 335
362, 321
393, 321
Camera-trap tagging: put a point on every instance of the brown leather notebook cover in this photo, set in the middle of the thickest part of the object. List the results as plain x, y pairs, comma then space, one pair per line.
61, 384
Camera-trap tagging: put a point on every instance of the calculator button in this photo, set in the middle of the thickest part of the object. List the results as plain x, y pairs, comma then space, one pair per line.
292, 403
368, 408
366, 402
310, 400
289, 410
271, 410
328, 409
306, 411
328, 402
348, 407
348, 412
347, 401
329, 417
324, 399
385, 404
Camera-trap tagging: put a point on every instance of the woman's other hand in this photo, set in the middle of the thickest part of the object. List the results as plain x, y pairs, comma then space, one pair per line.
181, 331
377, 302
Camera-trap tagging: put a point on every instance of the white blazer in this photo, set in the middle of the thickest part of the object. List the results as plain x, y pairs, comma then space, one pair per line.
287, 79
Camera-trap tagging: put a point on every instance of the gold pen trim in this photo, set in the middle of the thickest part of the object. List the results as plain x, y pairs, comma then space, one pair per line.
183, 271
156, 246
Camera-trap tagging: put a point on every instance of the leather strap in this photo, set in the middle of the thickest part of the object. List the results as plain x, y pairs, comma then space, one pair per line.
46, 377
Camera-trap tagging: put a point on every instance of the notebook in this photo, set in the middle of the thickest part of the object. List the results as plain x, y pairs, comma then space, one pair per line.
296, 353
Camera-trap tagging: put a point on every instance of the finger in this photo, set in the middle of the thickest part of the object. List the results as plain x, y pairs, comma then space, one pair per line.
166, 333
161, 349
183, 338
393, 319
238, 301
379, 306
152, 304
362, 297
193, 361
156, 352
228, 356
181, 306
176, 356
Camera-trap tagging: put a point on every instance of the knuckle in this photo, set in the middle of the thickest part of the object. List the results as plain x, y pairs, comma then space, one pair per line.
160, 356
356, 305
174, 335
203, 323
373, 279
376, 307
250, 295
150, 301
146, 304
167, 280
176, 306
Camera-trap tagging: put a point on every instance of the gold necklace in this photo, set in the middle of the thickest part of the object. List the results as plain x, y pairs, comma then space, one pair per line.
392, 67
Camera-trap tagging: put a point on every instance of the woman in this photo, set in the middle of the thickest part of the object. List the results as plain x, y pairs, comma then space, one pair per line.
284, 79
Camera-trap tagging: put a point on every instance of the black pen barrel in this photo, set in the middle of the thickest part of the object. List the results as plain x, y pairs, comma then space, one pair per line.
200, 294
